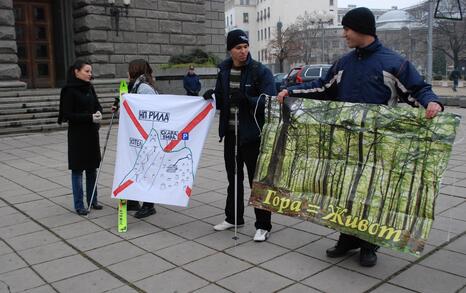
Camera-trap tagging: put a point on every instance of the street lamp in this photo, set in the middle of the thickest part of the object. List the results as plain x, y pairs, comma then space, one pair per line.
319, 18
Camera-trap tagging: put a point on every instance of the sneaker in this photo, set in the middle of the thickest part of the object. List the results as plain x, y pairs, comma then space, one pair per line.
261, 235
225, 226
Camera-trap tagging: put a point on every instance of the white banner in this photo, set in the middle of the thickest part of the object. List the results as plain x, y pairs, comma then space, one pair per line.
160, 140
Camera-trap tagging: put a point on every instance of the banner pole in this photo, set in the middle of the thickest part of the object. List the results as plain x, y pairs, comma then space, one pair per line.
236, 176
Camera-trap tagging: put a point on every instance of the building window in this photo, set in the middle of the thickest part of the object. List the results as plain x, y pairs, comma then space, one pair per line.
331, 2
262, 34
269, 32
241, 2
247, 2
257, 16
245, 17
261, 14
268, 12
258, 35
259, 55
231, 19
227, 21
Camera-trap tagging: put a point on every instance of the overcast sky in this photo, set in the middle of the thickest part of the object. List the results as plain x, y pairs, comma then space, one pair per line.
378, 3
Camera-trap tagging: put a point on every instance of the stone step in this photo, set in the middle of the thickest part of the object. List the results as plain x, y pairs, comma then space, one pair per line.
41, 121
42, 108
27, 99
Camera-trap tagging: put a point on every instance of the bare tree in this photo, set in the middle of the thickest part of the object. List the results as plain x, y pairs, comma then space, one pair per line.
284, 46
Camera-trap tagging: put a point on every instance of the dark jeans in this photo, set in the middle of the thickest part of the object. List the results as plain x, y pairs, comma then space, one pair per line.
350, 239
247, 154
77, 186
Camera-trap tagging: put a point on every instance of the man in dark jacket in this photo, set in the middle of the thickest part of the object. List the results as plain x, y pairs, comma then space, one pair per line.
369, 74
240, 83
455, 75
191, 82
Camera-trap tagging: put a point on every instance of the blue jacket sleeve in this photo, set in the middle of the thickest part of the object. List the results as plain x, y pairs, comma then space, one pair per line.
267, 86
319, 89
412, 83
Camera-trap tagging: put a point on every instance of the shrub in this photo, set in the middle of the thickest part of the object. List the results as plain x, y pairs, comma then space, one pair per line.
196, 57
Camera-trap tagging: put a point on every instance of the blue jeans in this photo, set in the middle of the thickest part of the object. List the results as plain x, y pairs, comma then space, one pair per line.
77, 186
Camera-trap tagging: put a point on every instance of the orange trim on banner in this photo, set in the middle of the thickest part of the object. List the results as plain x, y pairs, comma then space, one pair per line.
122, 187
189, 127
135, 121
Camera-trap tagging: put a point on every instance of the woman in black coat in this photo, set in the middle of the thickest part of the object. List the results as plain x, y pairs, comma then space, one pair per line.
79, 106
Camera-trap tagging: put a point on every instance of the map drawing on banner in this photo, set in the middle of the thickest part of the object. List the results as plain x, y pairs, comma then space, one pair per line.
160, 139
371, 171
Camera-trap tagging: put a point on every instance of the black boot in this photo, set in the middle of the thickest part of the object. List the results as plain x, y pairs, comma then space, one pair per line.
96, 206
367, 256
146, 210
345, 243
132, 205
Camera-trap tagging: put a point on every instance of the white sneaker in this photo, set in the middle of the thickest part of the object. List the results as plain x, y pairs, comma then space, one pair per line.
225, 226
261, 235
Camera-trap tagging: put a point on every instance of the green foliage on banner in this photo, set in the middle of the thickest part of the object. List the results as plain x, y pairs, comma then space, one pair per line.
368, 170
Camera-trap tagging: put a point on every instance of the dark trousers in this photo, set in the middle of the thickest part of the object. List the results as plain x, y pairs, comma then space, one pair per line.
350, 240
246, 154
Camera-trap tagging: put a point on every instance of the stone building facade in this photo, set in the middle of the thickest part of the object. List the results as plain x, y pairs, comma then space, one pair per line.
39, 39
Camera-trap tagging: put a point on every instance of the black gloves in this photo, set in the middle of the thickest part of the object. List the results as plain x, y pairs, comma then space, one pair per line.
208, 95
237, 98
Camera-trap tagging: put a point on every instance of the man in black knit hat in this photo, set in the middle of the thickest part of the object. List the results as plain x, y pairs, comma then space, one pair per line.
372, 74
240, 82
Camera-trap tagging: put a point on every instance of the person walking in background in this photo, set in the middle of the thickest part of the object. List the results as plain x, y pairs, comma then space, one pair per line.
240, 82
372, 74
455, 75
141, 82
191, 82
80, 107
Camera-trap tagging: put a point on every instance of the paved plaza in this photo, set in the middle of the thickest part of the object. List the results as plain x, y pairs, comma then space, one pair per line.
46, 247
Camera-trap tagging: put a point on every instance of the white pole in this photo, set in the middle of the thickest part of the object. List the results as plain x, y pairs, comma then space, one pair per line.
236, 176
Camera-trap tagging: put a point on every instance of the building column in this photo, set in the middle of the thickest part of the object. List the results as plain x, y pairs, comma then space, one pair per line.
9, 69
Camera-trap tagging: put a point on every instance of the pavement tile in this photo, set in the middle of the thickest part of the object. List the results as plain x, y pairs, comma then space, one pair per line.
19, 229
136, 229
60, 220
255, 280
4, 248
20, 280
447, 261
156, 241
12, 218
97, 281
166, 219
212, 288
209, 197
337, 279
256, 252
427, 280
439, 237
298, 288
458, 212
41, 289
49, 211
76, 229
65, 267
291, 238
176, 280
114, 253
454, 190
203, 211
221, 240
444, 202
459, 245
94, 240
111, 221
11, 262
123, 289
317, 250
313, 228
388, 288
34, 239
449, 224
295, 266
185, 252
140, 267
47, 252
386, 265
216, 267
192, 230
23, 198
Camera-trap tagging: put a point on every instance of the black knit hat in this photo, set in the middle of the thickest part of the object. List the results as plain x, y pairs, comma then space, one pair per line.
361, 20
236, 37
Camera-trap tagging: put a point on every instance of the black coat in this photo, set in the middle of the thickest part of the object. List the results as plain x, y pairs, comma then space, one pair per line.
78, 101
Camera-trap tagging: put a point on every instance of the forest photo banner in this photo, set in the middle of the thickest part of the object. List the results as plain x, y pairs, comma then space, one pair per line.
367, 170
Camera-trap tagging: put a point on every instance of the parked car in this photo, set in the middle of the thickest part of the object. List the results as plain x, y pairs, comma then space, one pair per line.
306, 73
291, 76
278, 78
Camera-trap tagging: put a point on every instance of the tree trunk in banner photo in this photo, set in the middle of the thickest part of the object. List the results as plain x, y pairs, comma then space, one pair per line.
370, 171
